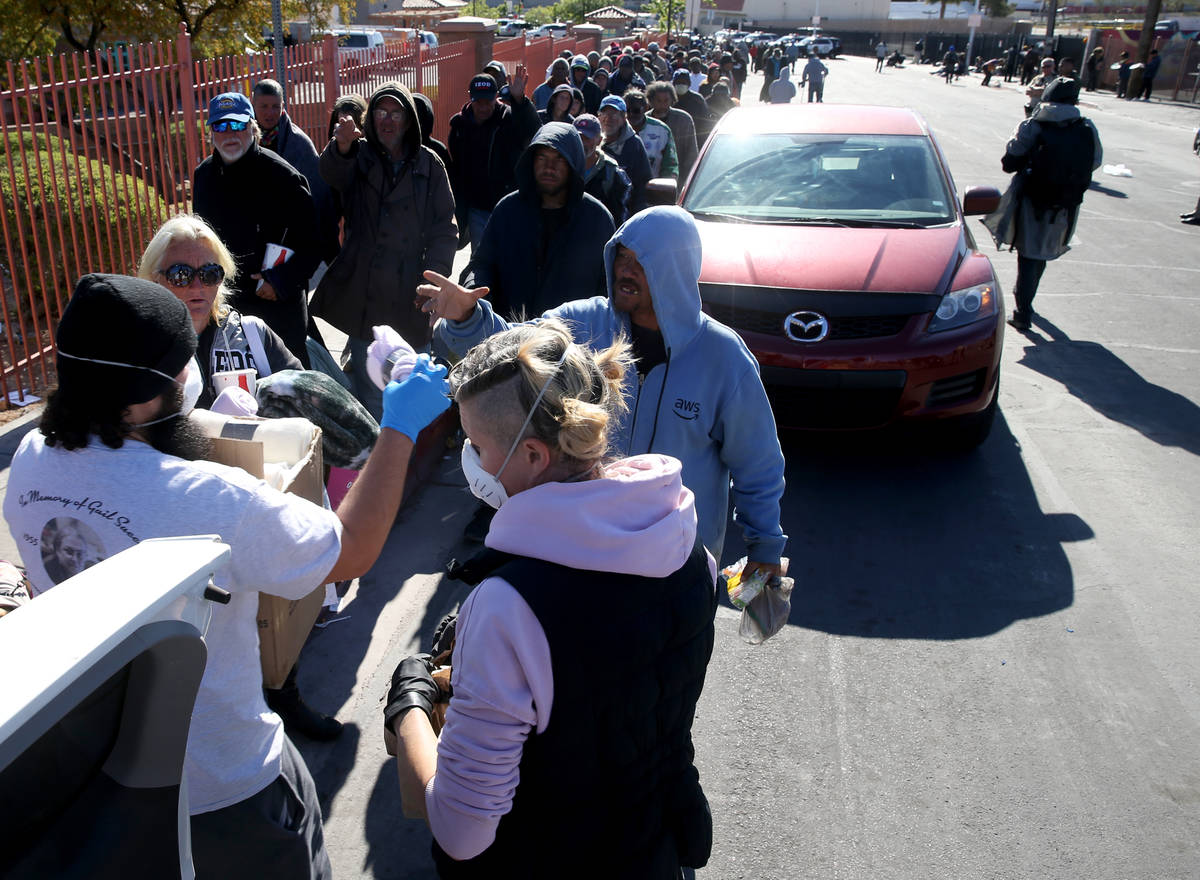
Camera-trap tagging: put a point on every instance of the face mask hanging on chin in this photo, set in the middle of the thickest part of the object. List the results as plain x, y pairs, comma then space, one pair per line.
192, 385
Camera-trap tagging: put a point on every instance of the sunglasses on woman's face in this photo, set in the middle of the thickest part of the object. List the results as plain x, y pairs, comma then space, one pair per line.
230, 125
181, 274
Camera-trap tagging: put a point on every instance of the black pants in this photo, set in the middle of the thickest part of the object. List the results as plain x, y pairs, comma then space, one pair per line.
1029, 274
276, 833
1147, 87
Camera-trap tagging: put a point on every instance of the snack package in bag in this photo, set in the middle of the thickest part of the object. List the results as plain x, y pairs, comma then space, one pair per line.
765, 604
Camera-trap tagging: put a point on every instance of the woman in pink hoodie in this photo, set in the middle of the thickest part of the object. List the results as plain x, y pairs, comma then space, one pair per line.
581, 653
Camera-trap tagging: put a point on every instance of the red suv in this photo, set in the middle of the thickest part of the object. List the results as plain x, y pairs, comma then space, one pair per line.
835, 245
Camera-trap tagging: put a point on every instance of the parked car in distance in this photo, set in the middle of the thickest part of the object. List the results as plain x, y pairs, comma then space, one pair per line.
824, 47
834, 244
511, 27
558, 30
358, 45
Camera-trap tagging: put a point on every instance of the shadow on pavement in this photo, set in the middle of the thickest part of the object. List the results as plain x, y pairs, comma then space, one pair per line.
1106, 191
397, 848
1107, 384
890, 539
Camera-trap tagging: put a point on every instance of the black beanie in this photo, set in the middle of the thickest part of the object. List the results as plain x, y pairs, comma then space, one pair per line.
125, 321
1063, 90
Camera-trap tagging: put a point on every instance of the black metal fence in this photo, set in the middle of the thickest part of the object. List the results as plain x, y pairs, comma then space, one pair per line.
934, 45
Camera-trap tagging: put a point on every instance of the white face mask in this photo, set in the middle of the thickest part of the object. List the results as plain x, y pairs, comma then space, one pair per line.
484, 486
681, 89
487, 487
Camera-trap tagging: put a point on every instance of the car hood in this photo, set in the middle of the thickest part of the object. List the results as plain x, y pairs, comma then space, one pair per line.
830, 258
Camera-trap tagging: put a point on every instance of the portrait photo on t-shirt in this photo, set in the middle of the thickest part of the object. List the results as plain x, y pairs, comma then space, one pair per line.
69, 547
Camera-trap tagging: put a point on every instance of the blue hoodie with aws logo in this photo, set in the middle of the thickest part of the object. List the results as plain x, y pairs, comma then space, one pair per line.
705, 404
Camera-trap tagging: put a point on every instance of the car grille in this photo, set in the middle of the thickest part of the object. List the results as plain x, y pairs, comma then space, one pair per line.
840, 327
832, 408
956, 389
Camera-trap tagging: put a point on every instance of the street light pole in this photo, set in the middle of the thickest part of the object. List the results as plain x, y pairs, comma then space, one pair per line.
277, 26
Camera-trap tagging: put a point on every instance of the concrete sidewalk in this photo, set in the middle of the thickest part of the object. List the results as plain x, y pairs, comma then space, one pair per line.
11, 436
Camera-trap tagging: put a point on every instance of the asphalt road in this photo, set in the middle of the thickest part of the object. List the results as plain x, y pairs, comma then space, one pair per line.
990, 667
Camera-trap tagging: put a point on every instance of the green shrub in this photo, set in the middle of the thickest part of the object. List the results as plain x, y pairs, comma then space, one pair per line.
93, 201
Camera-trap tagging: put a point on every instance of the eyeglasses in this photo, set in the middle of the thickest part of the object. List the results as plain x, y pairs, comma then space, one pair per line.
230, 125
181, 274
396, 115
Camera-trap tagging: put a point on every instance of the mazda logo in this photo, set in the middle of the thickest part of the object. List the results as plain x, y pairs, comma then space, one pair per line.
806, 326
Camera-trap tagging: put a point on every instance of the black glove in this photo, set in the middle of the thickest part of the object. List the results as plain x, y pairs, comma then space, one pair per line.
443, 636
412, 688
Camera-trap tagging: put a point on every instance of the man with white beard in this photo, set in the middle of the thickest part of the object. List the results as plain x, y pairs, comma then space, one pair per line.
253, 198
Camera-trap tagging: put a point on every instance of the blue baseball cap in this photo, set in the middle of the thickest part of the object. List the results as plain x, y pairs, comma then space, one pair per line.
230, 106
614, 101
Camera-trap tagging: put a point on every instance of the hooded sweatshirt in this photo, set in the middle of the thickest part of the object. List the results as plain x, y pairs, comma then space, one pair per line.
704, 404
533, 259
638, 519
783, 89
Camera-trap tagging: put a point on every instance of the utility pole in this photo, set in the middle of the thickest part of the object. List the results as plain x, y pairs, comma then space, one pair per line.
1051, 18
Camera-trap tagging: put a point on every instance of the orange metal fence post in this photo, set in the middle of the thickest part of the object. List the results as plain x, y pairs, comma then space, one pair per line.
16, 364
187, 104
50, 172
42, 258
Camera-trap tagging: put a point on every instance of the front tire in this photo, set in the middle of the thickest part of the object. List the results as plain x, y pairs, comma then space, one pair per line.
966, 433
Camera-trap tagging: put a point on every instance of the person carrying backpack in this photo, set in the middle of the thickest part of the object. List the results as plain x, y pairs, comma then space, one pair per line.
1051, 156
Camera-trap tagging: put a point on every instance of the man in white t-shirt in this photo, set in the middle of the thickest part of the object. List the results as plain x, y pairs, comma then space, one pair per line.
115, 463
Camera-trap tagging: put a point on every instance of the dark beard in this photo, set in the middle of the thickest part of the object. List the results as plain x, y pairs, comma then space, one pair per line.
178, 436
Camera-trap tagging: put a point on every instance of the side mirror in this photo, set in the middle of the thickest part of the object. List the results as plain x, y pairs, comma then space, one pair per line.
663, 190
981, 200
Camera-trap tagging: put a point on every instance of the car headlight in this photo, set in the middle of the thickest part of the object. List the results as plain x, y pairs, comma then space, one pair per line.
961, 307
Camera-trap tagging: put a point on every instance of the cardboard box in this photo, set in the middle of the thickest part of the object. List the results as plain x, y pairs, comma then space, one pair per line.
283, 624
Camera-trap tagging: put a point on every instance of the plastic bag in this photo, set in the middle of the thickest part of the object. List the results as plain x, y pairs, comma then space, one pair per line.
765, 604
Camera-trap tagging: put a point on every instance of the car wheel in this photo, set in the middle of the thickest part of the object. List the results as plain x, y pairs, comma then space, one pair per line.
965, 433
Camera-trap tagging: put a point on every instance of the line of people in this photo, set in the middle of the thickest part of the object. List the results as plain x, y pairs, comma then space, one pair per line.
623, 363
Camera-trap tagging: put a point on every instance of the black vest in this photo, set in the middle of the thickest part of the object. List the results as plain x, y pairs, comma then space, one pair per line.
609, 789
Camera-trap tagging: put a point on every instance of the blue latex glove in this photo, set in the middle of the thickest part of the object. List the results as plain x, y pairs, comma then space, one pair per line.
411, 405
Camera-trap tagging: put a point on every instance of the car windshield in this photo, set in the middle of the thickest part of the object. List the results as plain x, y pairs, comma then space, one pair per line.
860, 179
354, 41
